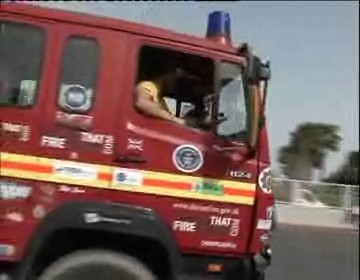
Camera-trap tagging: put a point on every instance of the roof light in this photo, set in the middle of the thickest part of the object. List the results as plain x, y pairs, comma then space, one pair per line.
219, 27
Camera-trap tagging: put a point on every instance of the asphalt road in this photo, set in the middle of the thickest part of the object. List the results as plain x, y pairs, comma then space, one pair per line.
314, 254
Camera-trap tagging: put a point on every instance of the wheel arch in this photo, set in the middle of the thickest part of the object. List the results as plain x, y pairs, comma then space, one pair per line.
114, 221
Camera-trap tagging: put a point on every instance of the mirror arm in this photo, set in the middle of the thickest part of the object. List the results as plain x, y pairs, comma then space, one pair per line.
255, 109
265, 93
253, 80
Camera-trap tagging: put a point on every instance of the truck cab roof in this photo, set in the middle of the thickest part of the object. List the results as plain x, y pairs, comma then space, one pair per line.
114, 24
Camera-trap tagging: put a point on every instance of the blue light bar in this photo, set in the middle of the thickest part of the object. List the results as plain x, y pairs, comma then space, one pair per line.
219, 27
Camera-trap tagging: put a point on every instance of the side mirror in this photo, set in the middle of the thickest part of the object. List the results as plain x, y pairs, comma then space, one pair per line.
257, 70
264, 71
254, 73
252, 69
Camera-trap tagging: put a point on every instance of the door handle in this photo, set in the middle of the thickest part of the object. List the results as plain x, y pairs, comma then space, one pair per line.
129, 159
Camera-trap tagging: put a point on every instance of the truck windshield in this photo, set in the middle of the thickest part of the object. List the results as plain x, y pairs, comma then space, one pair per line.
232, 102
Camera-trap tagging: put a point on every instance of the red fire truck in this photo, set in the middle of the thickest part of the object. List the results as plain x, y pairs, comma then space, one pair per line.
91, 188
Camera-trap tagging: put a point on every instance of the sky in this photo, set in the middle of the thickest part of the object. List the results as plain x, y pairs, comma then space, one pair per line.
313, 48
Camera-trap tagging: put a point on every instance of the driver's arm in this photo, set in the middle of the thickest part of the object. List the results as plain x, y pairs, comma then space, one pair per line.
144, 103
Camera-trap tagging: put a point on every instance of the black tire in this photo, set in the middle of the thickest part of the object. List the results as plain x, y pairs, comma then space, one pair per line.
244, 270
260, 276
97, 265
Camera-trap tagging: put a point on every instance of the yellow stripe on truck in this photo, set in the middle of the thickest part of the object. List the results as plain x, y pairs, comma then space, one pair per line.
130, 180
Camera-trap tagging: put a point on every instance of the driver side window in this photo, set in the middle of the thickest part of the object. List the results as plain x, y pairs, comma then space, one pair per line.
177, 83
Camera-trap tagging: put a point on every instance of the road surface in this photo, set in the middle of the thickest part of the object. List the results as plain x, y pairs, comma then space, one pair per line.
314, 254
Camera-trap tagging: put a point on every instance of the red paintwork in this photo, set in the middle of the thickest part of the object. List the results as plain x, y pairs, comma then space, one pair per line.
120, 42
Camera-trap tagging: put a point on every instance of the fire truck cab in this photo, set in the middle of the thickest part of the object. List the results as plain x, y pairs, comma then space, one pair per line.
92, 188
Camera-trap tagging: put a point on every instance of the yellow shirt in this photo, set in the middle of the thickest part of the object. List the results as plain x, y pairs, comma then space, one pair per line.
153, 90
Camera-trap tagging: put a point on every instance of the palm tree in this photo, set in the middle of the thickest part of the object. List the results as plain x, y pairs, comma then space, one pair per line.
307, 149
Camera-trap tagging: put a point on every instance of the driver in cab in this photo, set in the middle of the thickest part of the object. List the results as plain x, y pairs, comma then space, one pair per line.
149, 99
149, 95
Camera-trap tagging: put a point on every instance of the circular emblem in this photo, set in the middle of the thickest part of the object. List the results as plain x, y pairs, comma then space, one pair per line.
264, 180
75, 98
188, 158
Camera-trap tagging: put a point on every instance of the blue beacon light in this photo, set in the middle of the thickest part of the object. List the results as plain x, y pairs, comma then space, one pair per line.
218, 28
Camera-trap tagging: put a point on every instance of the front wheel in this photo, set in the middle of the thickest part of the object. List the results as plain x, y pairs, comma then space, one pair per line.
96, 265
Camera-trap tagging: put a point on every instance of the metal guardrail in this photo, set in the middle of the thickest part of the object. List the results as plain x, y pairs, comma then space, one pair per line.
316, 202
316, 193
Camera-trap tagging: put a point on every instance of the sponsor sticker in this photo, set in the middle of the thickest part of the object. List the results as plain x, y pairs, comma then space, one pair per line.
93, 218
269, 212
47, 189
218, 244
213, 225
123, 176
134, 144
14, 215
231, 225
184, 226
208, 187
107, 141
264, 224
53, 142
264, 237
11, 190
206, 208
68, 189
20, 131
188, 158
7, 249
220, 221
75, 171
240, 174
74, 120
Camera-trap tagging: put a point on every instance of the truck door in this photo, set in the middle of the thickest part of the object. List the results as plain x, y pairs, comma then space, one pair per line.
181, 171
79, 118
